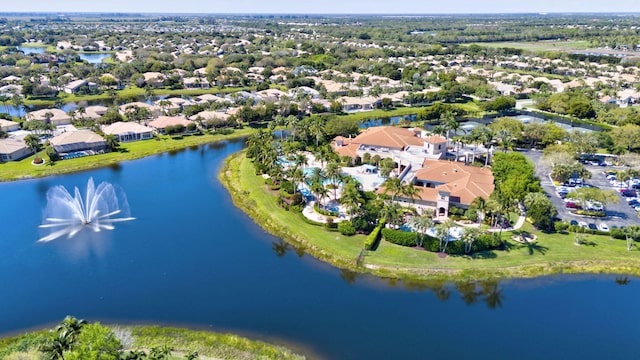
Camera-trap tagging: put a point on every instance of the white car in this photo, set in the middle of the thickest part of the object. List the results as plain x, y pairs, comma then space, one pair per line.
603, 227
583, 224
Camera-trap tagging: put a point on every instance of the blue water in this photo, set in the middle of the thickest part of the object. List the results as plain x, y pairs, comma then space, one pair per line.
93, 58
192, 259
32, 50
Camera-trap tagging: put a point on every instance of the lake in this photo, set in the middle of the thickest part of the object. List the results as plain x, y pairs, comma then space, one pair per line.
192, 259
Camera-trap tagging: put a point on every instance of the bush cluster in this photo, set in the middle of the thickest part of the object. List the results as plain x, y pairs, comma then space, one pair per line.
373, 237
346, 228
324, 211
483, 242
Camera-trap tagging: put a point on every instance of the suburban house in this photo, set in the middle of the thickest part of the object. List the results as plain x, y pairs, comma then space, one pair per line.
154, 110
81, 140
74, 86
443, 184
351, 104
13, 149
55, 116
6, 125
128, 131
154, 79
195, 83
161, 123
95, 111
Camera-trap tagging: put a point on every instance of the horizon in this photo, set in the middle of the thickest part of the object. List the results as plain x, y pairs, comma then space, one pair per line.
327, 7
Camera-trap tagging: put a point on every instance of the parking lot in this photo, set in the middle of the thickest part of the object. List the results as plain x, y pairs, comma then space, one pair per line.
620, 214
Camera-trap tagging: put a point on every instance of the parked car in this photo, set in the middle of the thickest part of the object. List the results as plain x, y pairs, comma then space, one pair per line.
572, 205
583, 224
628, 193
573, 223
603, 227
634, 202
592, 226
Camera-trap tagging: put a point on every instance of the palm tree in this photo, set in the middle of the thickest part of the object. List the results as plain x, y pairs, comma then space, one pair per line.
505, 139
410, 191
33, 143
112, 141
442, 230
4, 100
316, 127
334, 172
481, 206
47, 117
392, 186
439, 130
421, 224
391, 213
55, 347
296, 176
18, 102
319, 191
468, 237
351, 197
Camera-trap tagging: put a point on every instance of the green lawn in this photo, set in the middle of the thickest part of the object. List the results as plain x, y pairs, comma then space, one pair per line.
566, 45
209, 345
551, 254
15, 170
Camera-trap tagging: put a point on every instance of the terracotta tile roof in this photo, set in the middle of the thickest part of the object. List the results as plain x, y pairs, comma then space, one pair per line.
348, 150
463, 182
436, 139
388, 136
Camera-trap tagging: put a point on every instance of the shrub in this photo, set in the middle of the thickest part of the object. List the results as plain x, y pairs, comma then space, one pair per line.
53, 155
330, 224
471, 214
399, 237
561, 226
373, 237
287, 186
346, 228
591, 213
297, 199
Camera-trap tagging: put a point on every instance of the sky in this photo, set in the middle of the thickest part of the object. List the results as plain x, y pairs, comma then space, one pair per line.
322, 7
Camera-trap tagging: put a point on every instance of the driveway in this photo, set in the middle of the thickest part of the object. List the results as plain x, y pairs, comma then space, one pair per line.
619, 214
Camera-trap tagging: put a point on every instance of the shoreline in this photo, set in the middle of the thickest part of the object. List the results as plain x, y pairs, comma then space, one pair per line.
229, 176
209, 344
23, 170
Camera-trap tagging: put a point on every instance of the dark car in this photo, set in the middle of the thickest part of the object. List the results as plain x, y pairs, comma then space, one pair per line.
572, 205
628, 193
593, 227
634, 202
573, 223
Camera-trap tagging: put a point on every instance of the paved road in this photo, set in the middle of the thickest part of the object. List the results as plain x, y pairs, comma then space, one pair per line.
619, 214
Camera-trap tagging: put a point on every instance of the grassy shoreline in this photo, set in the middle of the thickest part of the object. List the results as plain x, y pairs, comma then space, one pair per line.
209, 345
24, 169
551, 254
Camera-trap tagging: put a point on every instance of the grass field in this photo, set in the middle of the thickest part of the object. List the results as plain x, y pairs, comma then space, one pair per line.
550, 254
24, 169
568, 45
209, 345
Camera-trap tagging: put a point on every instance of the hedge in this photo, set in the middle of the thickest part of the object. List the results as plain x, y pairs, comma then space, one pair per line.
483, 242
399, 237
372, 239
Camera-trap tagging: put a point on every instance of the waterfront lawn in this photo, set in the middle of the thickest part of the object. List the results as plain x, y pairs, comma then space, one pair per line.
15, 170
209, 345
252, 195
550, 254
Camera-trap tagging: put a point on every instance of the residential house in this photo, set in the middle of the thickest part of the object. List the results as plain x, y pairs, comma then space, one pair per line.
80, 140
55, 116
352, 104
161, 123
7, 125
128, 131
443, 184
13, 149
195, 83
74, 86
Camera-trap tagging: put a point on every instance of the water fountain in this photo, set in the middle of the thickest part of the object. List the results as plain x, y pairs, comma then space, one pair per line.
68, 215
